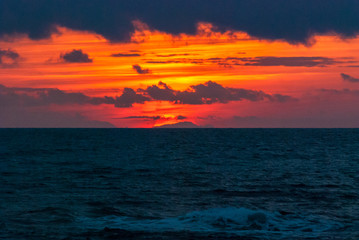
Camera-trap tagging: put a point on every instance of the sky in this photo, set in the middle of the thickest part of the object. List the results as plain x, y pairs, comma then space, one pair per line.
179, 63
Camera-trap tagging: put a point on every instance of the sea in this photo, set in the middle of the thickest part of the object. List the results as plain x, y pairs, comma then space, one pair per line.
74, 184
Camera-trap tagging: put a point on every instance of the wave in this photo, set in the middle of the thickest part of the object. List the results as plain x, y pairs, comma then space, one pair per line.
239, 221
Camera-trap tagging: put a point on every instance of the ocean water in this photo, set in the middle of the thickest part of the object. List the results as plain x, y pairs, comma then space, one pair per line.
179, 184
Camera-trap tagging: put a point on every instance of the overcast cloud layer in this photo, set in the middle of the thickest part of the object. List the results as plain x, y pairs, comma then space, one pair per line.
292, 20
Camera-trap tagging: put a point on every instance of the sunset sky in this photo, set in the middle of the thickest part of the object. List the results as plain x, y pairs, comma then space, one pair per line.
138, 63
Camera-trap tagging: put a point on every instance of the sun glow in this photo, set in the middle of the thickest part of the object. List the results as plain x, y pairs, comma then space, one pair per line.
232, 59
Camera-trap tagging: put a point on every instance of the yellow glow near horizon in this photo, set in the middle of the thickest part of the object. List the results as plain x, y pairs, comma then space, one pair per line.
179, 61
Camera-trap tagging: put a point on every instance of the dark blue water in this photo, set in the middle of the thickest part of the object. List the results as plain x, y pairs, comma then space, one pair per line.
179, 184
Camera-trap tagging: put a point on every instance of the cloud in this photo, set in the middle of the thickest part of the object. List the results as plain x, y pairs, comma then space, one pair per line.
76, 56
129, 97
212, 92
39, 97
173, 55
140, 70
344, 91
352, 66
289, 61
143, 117
46, 96
180, 117
125, 55
24, 118
182, 60
207, 93
290, 20
8, 58
280, 98
28, 107
160, 92
154, 118
258, 61
349, 78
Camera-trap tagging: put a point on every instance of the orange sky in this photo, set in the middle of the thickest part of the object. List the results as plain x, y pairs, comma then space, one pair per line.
181, 61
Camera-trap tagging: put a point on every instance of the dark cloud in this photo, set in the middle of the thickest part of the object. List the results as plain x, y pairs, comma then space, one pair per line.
291, 20
207, 93
17, 109
76, 56
140, 70
173, 55
129, 97
8, 58
154, 118
168, 61
180, 60
280, 98
344, 91
349, 78
212, 92
47, 96
39, 97
258, 61
180, 117
125, 55
143, 117
160, 92
289, 61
